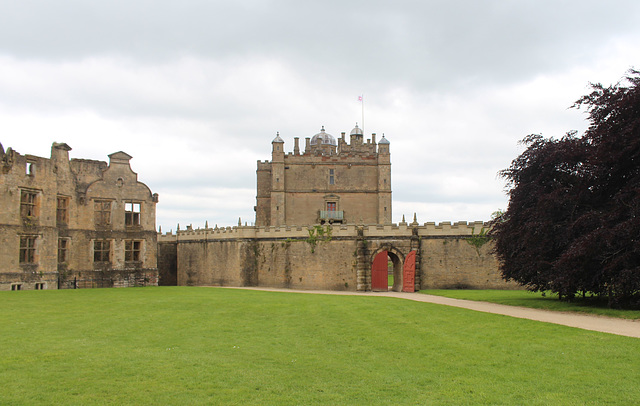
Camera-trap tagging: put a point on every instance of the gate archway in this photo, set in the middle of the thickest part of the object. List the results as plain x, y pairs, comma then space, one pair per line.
388, 261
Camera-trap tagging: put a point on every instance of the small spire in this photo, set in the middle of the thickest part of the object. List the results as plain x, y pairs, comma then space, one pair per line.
239, 222
206, 224
160, 229
178, 227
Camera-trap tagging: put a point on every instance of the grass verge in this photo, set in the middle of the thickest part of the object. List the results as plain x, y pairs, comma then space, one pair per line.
179, 345
525, 298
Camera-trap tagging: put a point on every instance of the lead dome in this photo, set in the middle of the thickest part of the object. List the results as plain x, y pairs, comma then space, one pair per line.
356, 130
323, 138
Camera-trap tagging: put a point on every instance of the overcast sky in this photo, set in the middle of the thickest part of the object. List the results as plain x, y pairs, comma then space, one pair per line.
196, 90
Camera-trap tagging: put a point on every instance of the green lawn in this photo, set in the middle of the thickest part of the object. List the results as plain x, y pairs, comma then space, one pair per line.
185, 346
537, 301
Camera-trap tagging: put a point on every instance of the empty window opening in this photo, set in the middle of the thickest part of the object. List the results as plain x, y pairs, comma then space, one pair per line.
102, 210
28, 200
132, 250
63, 246
62, 210
101, 250
16, 286
27, 249
39, 286
132, 214
31, 168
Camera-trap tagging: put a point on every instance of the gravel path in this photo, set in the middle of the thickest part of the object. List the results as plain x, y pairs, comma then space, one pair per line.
629, 328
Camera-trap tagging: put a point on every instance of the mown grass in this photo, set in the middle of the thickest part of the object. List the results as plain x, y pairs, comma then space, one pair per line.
223, 346
525, 298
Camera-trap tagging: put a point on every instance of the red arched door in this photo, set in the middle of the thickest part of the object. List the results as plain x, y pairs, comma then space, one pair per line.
379, 272
409, 273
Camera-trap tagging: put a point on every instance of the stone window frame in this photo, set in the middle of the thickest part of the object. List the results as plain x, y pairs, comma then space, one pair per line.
331, 198
16, 286
102, 209
39, 286
29, 207
62, 210
30, 168
332, 176
102, 251
28, 249
132, 217
133, 251
63, 249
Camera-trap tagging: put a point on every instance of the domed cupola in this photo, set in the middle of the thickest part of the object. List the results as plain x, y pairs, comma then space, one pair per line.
356, 130
323, 138
278, 139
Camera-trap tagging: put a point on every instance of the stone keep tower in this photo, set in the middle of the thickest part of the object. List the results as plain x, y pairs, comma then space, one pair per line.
331, 182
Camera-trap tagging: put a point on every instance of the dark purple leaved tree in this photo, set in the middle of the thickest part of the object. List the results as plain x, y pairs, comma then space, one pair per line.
573, 221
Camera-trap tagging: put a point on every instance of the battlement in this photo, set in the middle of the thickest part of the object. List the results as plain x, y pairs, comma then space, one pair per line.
401, 230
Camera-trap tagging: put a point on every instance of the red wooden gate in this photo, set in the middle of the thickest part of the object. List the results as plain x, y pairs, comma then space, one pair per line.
379, 272
409, 273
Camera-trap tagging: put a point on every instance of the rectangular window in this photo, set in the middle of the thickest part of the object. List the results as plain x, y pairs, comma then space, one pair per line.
63, 246
132, 250
331, 206
331, 177
132, 214
101, 250
62, 210
102, 210
31, 168
28, 200
39, 286
16, 286
27, 249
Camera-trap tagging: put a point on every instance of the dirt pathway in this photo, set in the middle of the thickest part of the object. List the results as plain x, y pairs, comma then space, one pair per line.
629, 328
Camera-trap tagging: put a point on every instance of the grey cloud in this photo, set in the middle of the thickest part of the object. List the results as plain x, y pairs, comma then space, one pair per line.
424, 43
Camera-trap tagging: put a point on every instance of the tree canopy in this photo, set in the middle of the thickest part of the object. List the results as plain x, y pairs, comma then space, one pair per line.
573, 221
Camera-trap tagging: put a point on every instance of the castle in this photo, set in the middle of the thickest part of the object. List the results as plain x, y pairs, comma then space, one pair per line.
74, 223
323, 221
331, 182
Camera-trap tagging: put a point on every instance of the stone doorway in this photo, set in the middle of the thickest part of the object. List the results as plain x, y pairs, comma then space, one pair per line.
386, 268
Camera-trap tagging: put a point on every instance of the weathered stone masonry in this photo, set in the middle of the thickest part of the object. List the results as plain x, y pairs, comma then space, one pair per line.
284, 257
75, 223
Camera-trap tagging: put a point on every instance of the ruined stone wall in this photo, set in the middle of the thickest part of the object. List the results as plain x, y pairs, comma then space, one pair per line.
58, 221
168, 264
287, 257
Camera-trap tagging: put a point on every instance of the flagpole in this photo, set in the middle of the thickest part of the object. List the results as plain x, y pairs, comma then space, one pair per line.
363, 133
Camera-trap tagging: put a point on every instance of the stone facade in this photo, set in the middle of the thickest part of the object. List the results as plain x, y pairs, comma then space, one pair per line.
331, 182
447, 256
74, 223
323, 218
